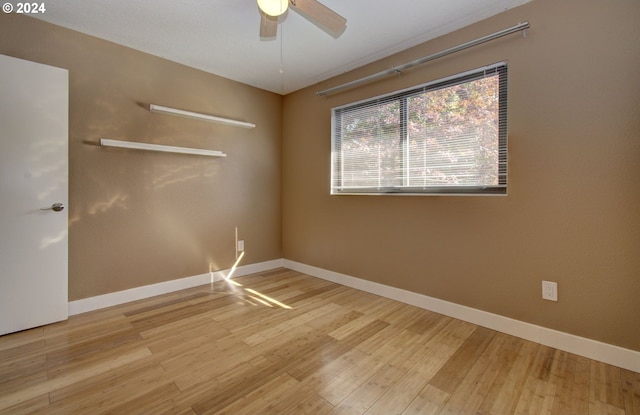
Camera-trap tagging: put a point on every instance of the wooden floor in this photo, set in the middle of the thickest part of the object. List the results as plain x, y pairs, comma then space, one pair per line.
282, 342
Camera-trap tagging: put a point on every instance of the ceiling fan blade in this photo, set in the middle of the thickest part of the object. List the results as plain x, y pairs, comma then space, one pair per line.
320, 14
268, 25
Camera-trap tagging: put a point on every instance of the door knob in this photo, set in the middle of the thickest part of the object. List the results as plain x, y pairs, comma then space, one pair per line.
56, 207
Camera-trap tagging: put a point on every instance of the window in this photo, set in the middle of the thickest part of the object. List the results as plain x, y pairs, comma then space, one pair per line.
445, 137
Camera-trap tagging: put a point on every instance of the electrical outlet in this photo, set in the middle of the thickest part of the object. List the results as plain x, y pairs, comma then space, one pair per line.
240, 246
550, 290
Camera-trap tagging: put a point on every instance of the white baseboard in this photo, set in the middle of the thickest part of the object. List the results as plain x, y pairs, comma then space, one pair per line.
592, 349
607, 353
107, 300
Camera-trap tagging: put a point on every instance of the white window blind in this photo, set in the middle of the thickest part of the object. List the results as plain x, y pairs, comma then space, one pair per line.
448, 136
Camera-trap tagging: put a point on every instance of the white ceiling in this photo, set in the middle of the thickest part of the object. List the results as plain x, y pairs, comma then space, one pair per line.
222, 36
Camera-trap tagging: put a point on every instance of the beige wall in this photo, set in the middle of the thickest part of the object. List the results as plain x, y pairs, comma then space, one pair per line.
573, 210
138, 218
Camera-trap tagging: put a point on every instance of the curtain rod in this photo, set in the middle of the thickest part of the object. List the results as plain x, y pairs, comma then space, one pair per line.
398, 69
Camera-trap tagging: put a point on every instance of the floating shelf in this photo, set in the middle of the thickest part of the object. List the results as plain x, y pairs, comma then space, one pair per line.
157, 147
195, 115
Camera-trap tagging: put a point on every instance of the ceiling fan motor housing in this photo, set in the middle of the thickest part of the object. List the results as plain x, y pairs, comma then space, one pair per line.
273, 7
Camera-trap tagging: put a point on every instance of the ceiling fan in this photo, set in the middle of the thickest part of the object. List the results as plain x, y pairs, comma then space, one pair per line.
321, 15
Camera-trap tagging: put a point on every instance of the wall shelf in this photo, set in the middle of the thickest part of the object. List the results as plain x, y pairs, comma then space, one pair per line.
104, 142
196, 115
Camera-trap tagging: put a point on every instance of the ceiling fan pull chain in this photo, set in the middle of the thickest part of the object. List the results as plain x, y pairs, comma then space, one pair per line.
281, 52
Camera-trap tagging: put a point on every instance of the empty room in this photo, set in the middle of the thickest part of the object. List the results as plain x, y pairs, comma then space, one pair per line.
320, 207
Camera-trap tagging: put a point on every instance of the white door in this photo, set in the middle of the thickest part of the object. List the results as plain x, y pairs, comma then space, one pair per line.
34, 169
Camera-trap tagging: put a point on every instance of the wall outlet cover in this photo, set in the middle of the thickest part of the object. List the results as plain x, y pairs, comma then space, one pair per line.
550, 290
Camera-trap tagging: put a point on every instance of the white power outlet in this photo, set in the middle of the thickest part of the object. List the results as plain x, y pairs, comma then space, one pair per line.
240, 246
550, 290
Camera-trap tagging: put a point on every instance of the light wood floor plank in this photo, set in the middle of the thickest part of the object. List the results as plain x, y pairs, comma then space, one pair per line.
37, 405
430, 400
454, 371
399, 395
477, 382
360, 400
606, 394
537, 398
350, 380
103, 383
302, 401
571, 376
69, 378
428, 360
631, 390
20, 338
282, 342
259, 399
509, 385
